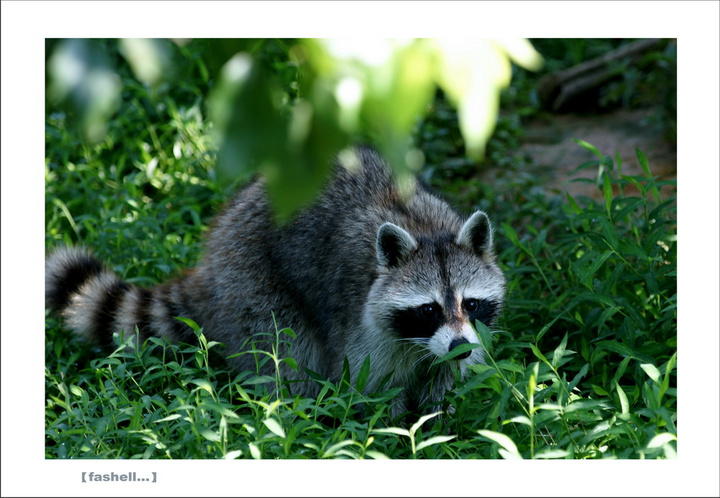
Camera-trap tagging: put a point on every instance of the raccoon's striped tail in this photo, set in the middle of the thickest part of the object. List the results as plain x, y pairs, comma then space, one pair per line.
95, 302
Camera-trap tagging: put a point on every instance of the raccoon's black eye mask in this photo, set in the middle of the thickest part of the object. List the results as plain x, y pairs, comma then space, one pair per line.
424, 320
480, 309
421, 321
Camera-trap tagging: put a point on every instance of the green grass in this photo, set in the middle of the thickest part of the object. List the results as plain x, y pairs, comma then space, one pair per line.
582, 365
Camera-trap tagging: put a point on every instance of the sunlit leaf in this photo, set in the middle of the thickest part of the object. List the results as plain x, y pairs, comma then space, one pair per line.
274, 427
624, 404
552, 453
661, 439
505, 442
392, 430
651, 371
149, 58
434, 440
210, 435
422, 420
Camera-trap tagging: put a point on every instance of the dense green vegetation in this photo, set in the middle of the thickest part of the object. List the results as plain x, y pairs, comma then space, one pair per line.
581, 365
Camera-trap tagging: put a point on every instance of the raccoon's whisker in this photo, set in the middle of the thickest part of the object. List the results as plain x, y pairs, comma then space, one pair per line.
422, 358
415, 342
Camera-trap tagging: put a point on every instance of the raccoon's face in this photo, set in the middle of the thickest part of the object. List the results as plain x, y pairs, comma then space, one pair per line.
430, 290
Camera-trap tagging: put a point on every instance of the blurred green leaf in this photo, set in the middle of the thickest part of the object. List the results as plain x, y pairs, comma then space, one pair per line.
249, 127
82, 80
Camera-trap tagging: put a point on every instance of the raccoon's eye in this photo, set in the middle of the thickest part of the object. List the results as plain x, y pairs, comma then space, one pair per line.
428, 309
471, 305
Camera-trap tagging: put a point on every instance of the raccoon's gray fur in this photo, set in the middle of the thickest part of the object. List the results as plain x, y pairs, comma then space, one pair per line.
363, 271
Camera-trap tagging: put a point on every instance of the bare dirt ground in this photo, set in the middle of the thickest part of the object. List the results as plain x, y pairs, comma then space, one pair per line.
549, 143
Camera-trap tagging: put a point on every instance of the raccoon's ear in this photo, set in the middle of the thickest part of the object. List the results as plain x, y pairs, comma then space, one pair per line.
476, 234
393, 245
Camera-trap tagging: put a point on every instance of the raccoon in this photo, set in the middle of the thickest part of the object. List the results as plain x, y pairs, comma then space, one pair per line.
363, 271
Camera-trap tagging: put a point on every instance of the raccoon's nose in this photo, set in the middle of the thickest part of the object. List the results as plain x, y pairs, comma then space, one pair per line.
455, 343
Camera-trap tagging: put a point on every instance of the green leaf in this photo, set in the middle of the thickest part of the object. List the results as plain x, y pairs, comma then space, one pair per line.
559, 352
434, 440
363, 375
210, 435
202, 384
220, 409
274, 427
599, 390
609, 231
573, 205
586, 276
578, 377
291, 363
624, 405
345, 378
505, 442
458, 350
392, 430
586, 405
248, 127
532, 382
651, 371
91, 90
509, 455
174, 416
660, 439
422, 420
521, 419
642, 159
590, 147
552, 453
586, 165
639, 185
149, 58
484, 335
620, 370
475, 381
332, 450
232, 455
376, 455
196, 328
539, 354
289, 332
510, 234
666, 379
260, 379
616, 347
608, 193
